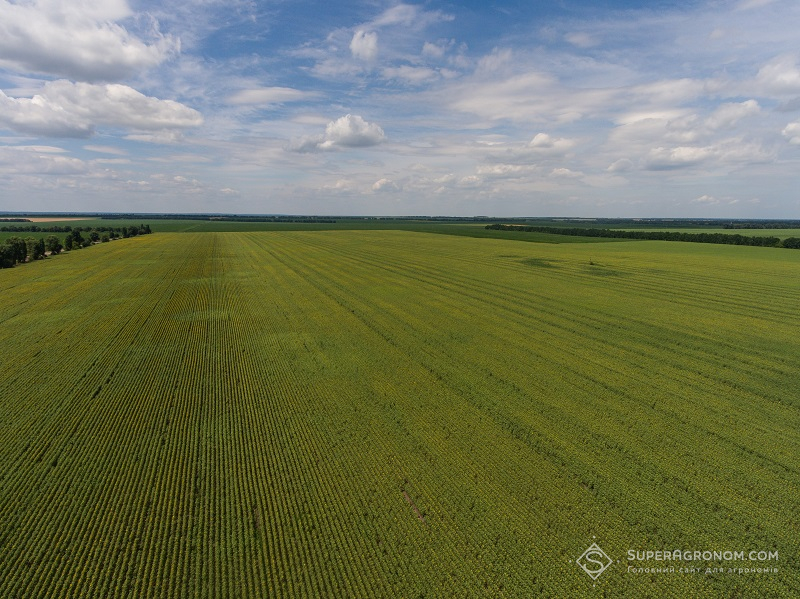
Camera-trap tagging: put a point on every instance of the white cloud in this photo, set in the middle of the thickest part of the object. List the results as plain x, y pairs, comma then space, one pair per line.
65, 109
364, 45
726, 152
671, 158
445, 179
620, 166
434, 50
565, 173
706, 199
496, 61
544, 143
38, 149
43, 161
409, 15
504, 170
402, 14
349, 131
78, 39
341, 185
532, 96
352, 131
166, 137
729, 114
470, 181
780, 76
385, 185
792, 133
269, 95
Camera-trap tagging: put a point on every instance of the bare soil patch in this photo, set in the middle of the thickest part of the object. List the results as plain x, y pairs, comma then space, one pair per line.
48, 219
420, 517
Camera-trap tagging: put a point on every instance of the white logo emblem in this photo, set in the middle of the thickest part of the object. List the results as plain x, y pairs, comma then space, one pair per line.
594, 561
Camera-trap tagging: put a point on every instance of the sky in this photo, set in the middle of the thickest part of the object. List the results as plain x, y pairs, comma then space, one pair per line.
615, 108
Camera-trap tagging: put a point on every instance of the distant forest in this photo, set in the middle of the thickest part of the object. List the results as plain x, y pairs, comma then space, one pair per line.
721, 238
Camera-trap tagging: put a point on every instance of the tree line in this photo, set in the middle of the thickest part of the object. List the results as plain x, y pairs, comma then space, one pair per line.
17, 250
723, 238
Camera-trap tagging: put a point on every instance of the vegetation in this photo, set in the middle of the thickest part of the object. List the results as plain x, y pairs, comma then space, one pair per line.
389, 413
15, 251
722, 238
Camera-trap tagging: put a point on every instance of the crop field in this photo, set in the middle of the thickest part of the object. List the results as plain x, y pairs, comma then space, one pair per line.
398, 414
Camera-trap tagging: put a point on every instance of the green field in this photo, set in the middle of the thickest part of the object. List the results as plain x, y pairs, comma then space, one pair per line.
378, 413
462, 229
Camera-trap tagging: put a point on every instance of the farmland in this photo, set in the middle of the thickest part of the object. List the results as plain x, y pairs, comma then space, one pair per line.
393, 413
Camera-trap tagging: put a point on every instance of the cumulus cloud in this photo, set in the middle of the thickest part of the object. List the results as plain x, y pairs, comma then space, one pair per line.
349, 131
352, 131
385, 185
780, 76
672, 158
80, 39
364, 45
65, 109
542, 142
792, 133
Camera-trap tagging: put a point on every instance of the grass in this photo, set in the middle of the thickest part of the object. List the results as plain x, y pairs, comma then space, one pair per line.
391, 413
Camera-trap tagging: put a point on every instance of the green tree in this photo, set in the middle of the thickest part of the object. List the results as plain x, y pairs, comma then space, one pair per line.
53, 245
791, 242
34, 248
6, 256
19, 250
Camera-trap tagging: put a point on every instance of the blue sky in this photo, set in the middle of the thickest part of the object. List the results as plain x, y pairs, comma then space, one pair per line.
572, 107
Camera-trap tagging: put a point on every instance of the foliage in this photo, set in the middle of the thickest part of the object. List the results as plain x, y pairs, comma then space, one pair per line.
722, 238
16, 250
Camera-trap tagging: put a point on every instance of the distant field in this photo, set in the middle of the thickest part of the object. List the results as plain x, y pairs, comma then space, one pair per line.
208, 226
396, 414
